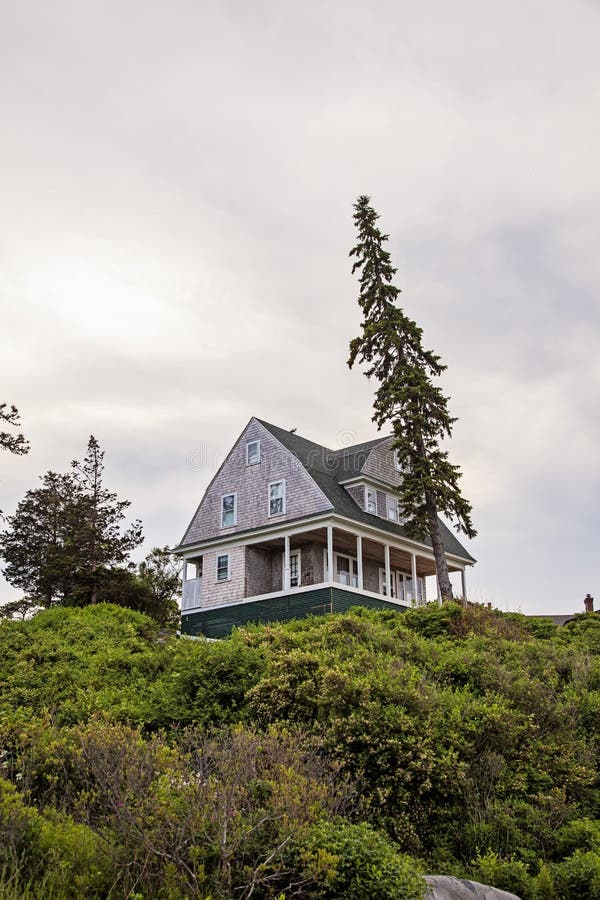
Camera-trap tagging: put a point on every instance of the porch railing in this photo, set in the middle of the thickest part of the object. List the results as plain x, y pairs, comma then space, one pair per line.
192, 593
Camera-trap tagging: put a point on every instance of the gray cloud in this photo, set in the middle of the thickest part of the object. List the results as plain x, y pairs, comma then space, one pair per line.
176, 188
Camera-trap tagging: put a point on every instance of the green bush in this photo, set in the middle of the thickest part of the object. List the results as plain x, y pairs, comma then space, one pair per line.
355, 862
578, 876
49, 855
507, 874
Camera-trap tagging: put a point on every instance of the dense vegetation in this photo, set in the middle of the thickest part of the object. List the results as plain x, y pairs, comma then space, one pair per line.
331, 757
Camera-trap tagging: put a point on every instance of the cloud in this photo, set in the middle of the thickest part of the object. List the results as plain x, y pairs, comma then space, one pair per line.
177, 186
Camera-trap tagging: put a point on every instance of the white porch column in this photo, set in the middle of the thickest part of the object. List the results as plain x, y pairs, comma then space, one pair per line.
463, 578
359, 564
183, 579
388, 575
286, 562
329, 554
413, 569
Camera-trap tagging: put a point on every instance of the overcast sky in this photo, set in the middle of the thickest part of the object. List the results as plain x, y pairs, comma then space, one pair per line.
176, 189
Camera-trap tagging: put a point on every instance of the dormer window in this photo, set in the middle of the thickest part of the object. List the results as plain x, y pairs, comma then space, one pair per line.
397, 464
252, 453
228, 510
277, 498
371, 501
392, 508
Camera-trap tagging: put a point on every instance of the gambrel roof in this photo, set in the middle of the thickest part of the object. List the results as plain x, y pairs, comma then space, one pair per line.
329, 468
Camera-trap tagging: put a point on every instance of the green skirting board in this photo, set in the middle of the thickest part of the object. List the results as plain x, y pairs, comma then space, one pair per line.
218, 623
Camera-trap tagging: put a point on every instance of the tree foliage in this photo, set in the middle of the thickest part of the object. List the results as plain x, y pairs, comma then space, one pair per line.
14, 443
301, 760
66, 534
407, 399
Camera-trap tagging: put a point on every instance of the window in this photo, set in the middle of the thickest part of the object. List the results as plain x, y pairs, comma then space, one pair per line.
277, 498
392, 508
346, 570
223, 567
400, 590
397, 464
382, 584
294, 569
228, 510
252, 453
371, 506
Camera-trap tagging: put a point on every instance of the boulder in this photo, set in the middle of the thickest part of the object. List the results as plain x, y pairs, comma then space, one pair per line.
446, 887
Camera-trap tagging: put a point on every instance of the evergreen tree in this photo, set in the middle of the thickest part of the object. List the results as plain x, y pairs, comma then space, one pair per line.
14, 443
391, 345
37, 546
100, 542
66, 534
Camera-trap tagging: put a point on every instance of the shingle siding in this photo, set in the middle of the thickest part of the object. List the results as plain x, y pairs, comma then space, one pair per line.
214, 591
357, 492
312, 564
251, 483
259, 571
382, 504
380, 463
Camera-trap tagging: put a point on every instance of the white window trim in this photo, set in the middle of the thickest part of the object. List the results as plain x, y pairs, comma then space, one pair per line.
397, 576
284, 498
370, 490
234, 495
351, 560
217, 558
389, 497
297, 553
257, 461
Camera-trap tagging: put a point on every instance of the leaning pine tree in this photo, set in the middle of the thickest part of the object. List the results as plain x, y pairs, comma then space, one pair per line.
407, 399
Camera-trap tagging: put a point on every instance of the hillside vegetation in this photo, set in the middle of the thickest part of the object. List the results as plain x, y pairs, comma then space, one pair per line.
334, 757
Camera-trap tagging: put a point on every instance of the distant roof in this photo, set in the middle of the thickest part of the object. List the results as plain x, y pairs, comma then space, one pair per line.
558, 620
329, 467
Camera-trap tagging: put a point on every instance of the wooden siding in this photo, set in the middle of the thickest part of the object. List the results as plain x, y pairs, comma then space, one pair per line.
357, 492
380, 464
259, 571
251, 483
218, 623
382, 504
214, 591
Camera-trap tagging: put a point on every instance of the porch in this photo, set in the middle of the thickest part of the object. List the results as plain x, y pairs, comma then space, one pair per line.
328, 555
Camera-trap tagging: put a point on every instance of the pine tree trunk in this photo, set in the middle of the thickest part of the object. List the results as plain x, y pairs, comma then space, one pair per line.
443, 576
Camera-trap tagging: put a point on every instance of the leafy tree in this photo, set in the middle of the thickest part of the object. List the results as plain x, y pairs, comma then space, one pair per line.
14, 443
391, 345
160, 573
65, 535
19, 609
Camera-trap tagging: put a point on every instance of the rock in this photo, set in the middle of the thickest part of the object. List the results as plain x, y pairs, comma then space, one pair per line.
446, 887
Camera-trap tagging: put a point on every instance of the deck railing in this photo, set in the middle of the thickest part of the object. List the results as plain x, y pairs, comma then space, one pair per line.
192, 593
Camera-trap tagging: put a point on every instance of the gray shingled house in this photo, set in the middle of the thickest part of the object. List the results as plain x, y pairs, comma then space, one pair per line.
288, 527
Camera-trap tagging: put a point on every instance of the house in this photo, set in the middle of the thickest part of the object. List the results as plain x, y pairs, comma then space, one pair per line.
288, 527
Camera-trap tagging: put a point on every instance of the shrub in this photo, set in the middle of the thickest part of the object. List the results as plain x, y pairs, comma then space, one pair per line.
578, 876
506, 874
354, 862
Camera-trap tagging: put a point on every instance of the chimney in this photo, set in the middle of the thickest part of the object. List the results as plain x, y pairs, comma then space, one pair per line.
589, 603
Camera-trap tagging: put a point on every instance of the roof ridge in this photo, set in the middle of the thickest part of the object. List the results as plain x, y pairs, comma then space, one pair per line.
350, 448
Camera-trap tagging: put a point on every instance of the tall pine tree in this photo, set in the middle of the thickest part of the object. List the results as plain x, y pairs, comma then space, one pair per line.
66, 537
407, 400
101, 543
